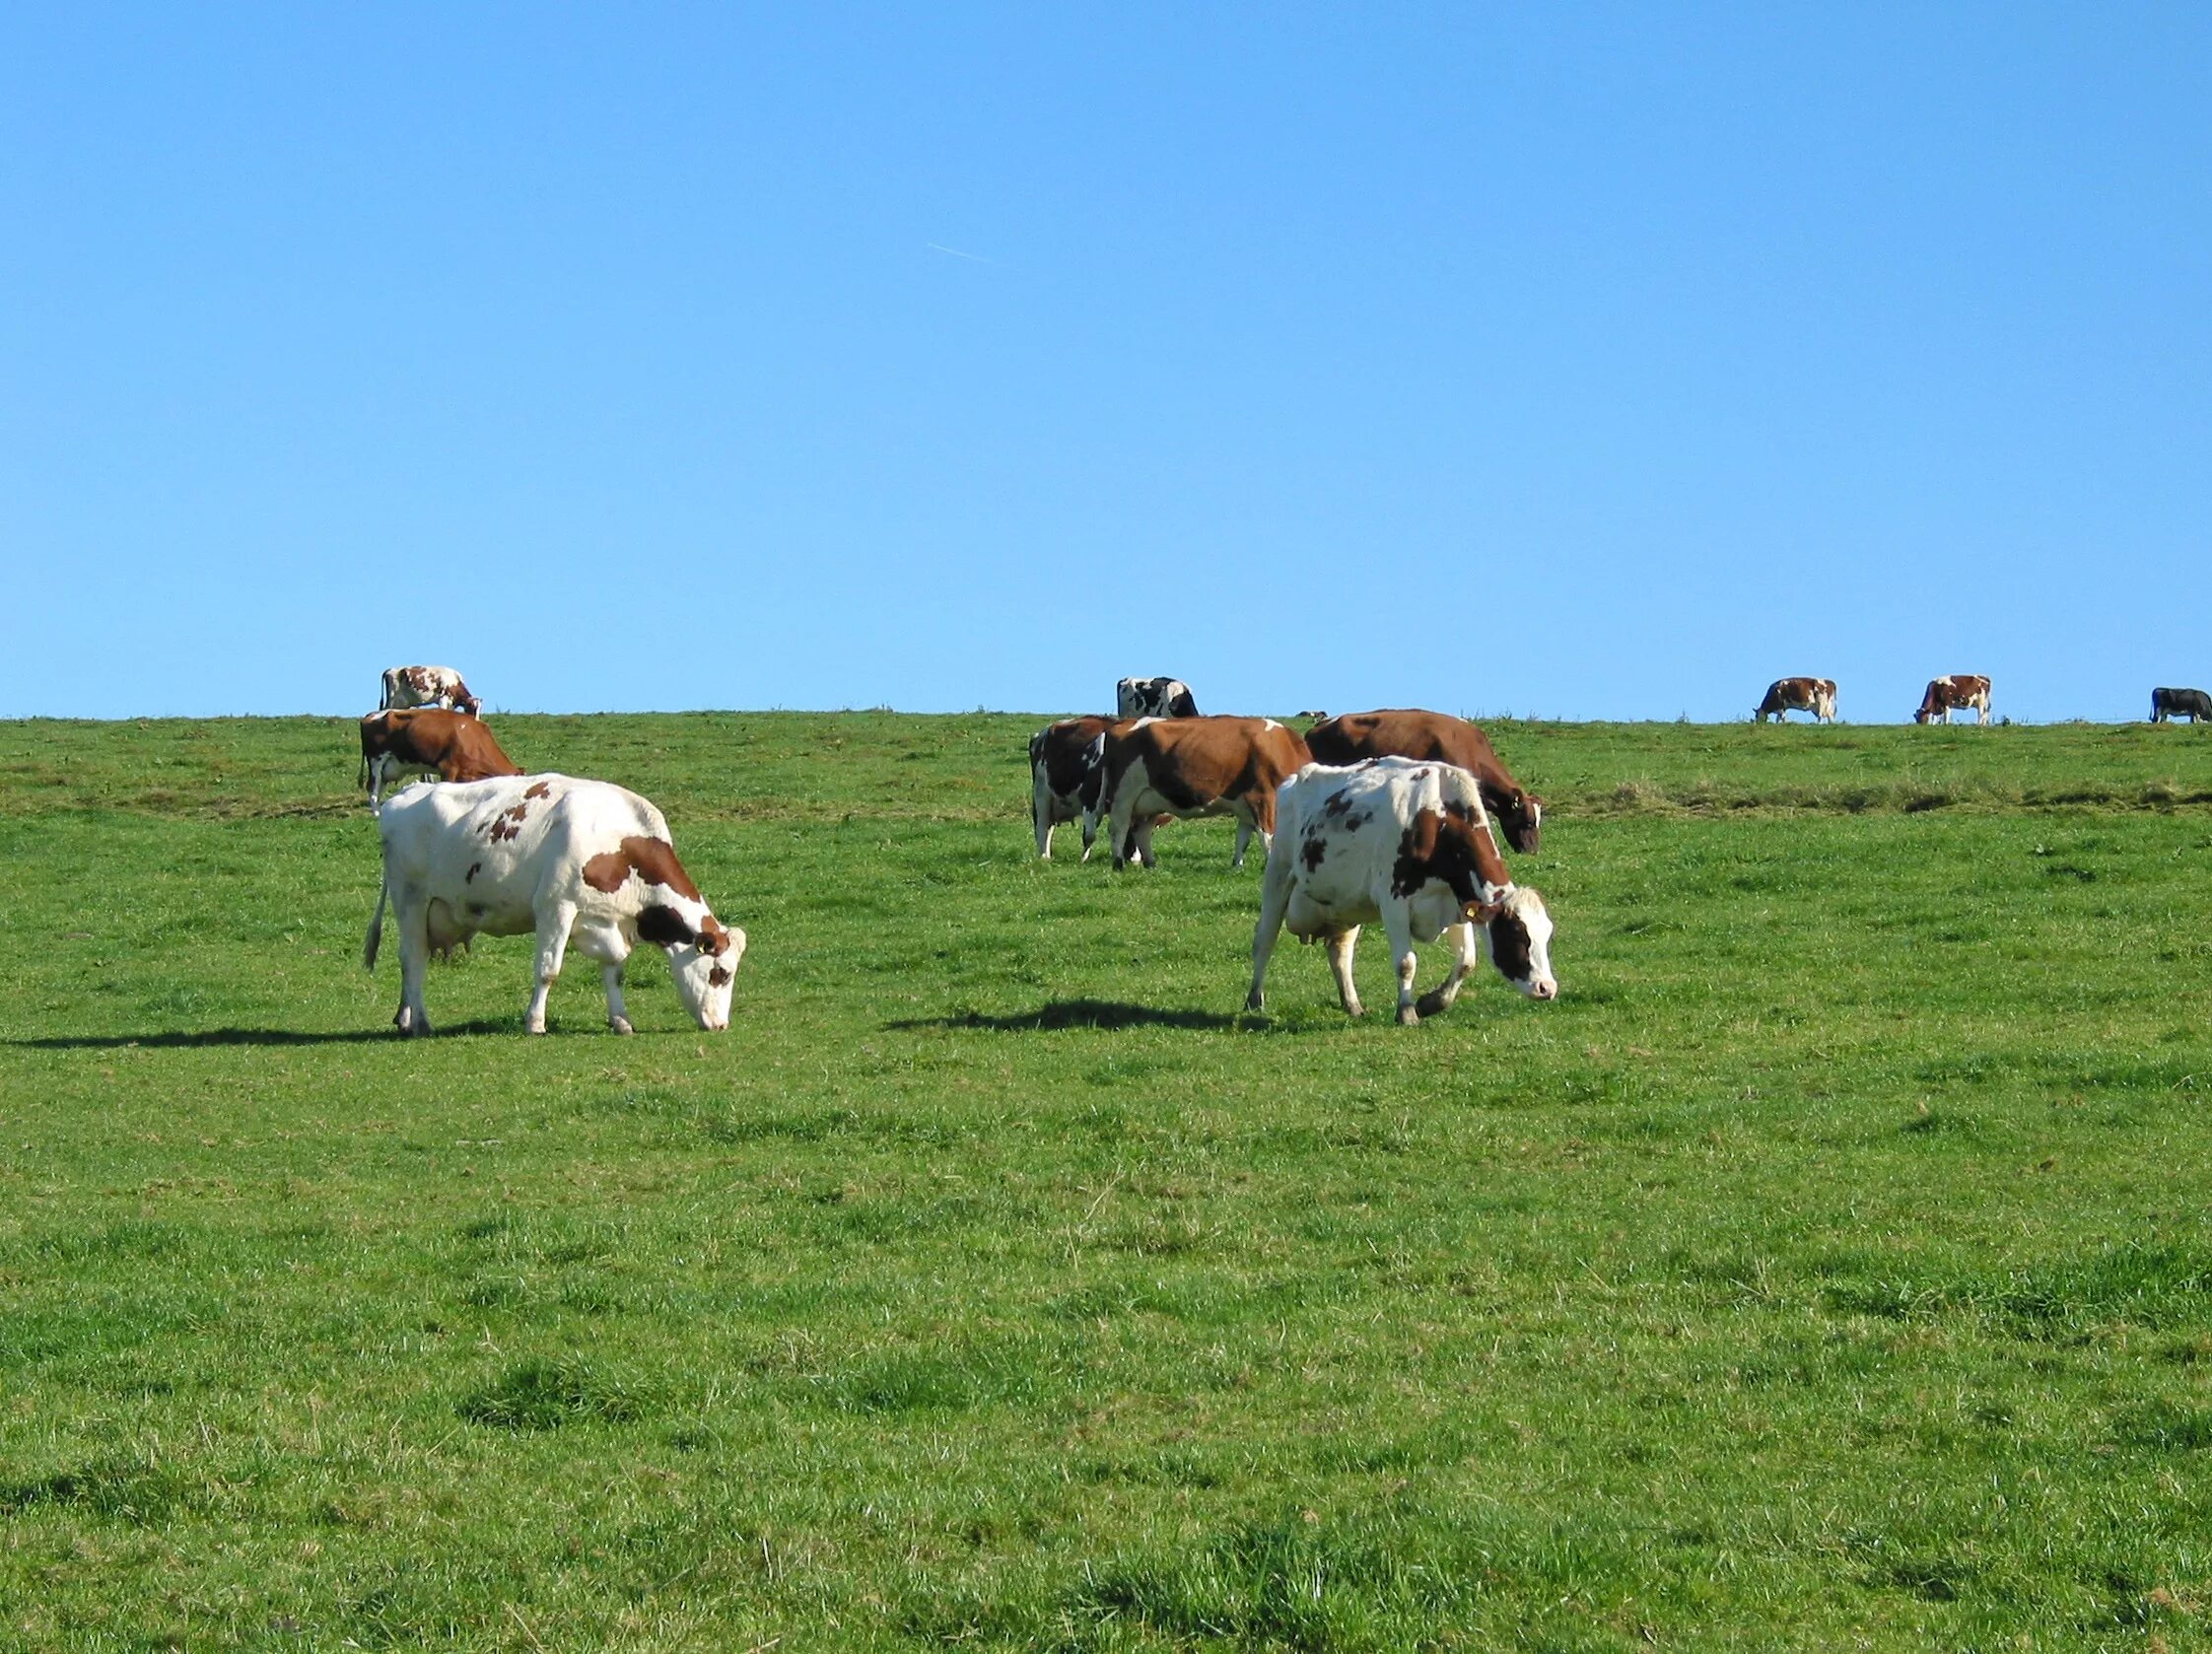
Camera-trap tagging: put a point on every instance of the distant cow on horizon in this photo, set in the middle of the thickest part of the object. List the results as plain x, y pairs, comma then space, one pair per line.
2191, 703
1968, 691
1787, 695
428, 686
1155, 698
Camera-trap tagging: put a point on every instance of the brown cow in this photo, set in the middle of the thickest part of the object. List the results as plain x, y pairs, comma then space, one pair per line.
1787, 695
1066, 764
1969, 690
1195, 766
1434, 737
455, 745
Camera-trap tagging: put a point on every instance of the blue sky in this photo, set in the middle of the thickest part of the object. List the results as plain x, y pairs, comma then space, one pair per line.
1575, 360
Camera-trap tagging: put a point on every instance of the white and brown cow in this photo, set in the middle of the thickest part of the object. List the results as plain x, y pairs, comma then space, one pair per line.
1155, 698
1186, 767
419, 740
571, 860
1067, 768
1966, 690
428, 686
1404, 842
1408, 732
1787, 695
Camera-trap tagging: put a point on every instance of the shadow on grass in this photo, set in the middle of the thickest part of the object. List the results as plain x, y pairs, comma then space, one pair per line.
1077, 1014
190, 1038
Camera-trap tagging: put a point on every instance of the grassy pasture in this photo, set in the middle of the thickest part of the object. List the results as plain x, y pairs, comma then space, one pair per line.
1829, 1268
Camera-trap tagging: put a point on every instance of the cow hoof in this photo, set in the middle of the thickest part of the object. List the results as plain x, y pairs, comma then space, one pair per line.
1430, 1005
1252, 1001
533, 1027
620, 1024
1408, 1016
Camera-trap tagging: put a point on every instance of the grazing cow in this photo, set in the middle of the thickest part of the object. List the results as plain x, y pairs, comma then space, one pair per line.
1787, 695
569, 859
1403, 842
1067, 765
1966, 690
1155, 698
1187, 767
1438, 738
425, 738
428, 686
2191, 703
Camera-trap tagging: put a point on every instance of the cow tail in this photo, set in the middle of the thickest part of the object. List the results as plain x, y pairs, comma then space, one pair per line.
376, 929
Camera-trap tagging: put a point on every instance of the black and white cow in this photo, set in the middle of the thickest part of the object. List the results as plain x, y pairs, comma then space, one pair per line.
2191, 703
1404, 842
1155, 698
571, 860
1067, 765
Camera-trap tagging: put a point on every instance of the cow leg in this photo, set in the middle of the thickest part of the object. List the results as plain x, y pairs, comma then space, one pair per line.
1340, 945
553, 927
1398, 925
1274, 903
617, 1013
1467, 953
413, 913
1121, 820
377, 774
1244, 832
1040, 813
1142, 837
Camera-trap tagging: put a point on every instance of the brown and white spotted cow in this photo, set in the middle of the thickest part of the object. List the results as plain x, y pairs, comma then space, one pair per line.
1404, 842
571, 860
1966, 690
428, 686
1067, 768
1787, 695
428, 740
1440, 739
1157, 767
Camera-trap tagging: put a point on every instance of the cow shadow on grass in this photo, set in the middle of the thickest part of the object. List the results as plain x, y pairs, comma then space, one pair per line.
194, 1038
1075, 1014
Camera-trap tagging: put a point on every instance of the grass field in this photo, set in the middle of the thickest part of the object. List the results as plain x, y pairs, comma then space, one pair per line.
1831, 1266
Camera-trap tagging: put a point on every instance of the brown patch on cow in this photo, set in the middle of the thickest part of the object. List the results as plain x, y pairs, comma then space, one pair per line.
1314, 853
1509, 947
713, 938
537, 789
656, 863
1456, 851
475, 867
665, 926
508, 824
719, 976
608, 871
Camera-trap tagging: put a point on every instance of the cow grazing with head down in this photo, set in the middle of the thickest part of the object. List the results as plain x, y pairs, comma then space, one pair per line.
571, 860
1961, 690
1403, 842
1155, 698
419, 740
1186, 767
2191, 703
1787, 695
1438, 738
428, 686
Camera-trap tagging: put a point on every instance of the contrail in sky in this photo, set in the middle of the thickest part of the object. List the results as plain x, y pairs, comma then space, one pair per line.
936, 246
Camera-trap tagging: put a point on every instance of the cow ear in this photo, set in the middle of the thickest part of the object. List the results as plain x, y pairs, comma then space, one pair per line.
665, 926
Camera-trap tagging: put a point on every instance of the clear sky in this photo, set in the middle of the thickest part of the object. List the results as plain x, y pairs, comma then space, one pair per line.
1570, 361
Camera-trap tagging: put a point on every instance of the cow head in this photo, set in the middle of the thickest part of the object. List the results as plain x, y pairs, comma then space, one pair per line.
703, 960
1521, 816
1520, 943
469, 704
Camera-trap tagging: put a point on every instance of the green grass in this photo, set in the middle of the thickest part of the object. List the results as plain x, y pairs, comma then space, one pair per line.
1831, 1266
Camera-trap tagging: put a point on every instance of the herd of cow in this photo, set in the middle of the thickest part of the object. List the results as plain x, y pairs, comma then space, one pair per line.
1388, 818
1959, 692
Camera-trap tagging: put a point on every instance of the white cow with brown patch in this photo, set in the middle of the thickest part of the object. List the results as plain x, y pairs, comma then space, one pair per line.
1405, 841
427, 686
1186, 767
570, 861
